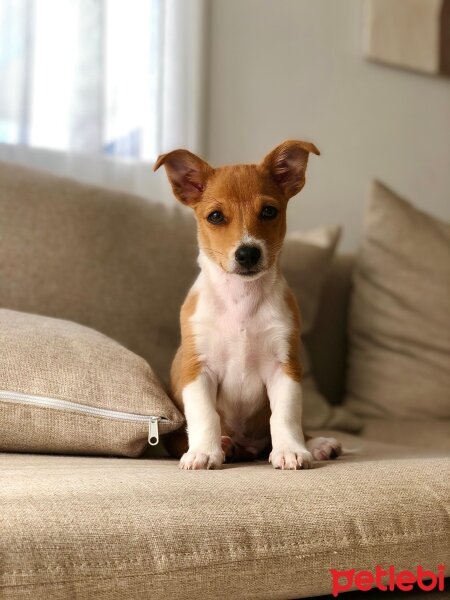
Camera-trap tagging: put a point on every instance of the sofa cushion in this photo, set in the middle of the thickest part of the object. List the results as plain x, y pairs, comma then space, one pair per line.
113, 528
399, 329
305, 262
122, 265
69, 389
111, 261
424, 436
327, 342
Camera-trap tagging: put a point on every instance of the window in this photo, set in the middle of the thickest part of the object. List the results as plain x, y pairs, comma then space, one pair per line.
96, 89
81, 75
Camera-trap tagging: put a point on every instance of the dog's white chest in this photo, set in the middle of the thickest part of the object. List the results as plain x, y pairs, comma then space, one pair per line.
242, 337
236, 345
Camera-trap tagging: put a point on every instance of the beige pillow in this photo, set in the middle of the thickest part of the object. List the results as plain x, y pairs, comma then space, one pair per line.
305, 261
65, 388
399, 327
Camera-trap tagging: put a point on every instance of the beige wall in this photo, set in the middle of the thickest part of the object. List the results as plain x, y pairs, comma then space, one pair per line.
294, 68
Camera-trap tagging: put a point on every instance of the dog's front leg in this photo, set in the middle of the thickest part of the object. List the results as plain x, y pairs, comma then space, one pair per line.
288, 442
203, 424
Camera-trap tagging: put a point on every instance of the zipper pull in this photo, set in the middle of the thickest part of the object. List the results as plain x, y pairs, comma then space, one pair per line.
153, 434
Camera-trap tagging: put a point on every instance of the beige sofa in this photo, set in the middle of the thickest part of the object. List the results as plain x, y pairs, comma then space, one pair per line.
90, 527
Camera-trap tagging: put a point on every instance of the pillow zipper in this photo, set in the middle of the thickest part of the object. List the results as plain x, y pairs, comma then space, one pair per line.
46, 402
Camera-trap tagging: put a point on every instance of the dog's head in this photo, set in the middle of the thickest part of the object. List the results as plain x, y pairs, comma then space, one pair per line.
240, 209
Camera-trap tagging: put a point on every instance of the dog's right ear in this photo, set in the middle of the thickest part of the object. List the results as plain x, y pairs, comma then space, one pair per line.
286, 165
187, 173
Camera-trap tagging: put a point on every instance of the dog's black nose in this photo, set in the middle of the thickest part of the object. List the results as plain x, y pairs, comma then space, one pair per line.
247, 256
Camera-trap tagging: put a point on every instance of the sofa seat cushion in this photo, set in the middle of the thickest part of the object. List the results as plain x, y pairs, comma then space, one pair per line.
122, 528
428, 436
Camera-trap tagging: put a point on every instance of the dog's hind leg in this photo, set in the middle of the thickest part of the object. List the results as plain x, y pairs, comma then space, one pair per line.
323, 448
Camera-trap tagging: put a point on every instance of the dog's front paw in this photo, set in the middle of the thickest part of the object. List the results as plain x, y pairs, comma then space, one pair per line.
193, 461
290, 459
323, 448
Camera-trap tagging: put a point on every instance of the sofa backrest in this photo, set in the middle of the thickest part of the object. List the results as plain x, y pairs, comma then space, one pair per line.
122, 265
327, 343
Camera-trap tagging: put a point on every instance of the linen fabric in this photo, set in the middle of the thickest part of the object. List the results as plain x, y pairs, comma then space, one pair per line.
115, 528
123, 265
51, 358
305, 262
399, 325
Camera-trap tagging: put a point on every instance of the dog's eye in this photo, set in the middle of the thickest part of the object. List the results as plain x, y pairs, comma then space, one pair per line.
216, 217
268, 212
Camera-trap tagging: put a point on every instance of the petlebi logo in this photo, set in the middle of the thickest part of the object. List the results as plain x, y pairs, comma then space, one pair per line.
388, 579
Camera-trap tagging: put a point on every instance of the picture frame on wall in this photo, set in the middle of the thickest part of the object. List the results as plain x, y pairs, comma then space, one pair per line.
412, 35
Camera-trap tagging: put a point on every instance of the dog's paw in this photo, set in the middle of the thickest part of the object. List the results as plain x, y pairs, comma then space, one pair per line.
290, 459
194, 461
323, 448
228, 447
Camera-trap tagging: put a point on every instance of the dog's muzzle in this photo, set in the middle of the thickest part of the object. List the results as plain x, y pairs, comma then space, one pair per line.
247, 257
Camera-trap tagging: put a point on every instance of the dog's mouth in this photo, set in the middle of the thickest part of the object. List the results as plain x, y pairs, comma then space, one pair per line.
249, 273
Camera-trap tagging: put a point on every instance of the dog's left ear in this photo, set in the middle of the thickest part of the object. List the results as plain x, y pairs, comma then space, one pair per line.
286, 165
187, 174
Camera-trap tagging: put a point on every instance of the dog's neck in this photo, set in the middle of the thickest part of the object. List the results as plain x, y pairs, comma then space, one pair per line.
232, 290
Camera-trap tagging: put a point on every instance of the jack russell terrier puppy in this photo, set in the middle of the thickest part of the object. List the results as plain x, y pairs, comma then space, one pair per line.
237, 375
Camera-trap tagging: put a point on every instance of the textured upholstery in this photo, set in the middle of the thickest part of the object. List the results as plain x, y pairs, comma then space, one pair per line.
121, 528
52, 359
109, 528
122, 265
100, 258
327, 343
399, 321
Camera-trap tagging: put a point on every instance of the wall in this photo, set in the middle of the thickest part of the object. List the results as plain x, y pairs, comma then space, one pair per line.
294, 68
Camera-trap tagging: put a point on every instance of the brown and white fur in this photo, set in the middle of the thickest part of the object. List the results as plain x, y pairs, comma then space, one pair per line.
237, 375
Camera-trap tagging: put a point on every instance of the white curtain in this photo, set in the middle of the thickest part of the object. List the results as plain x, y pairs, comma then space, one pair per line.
96, 89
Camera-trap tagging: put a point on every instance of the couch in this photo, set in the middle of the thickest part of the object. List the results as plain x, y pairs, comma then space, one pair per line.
106, 527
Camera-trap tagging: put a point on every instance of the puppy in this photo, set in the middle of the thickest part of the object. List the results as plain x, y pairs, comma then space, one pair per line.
237, 375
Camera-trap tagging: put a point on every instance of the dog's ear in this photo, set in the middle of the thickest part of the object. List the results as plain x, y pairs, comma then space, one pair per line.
286, 165
187, 174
